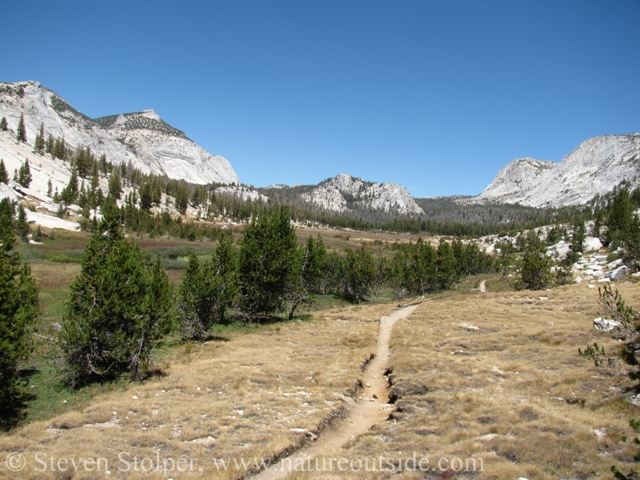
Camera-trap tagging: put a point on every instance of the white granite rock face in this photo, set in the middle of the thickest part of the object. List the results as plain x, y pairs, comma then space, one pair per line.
141, 138
596, 166
345, 192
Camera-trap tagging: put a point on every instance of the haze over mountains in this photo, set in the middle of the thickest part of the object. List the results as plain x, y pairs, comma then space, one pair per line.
143, 139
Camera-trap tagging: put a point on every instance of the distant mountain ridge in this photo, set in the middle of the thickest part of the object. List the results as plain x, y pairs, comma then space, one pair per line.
346, 194
595, 167
142, 138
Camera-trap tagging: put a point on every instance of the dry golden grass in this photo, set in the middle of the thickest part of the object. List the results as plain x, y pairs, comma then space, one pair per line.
237, 397
514, 393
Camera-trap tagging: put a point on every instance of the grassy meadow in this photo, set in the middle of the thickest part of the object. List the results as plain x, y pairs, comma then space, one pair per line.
495, 377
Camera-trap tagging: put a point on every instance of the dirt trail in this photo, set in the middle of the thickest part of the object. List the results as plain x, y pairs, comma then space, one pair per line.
371, 407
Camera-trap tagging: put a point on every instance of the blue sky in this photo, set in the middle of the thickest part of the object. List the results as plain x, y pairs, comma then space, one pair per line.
436, 96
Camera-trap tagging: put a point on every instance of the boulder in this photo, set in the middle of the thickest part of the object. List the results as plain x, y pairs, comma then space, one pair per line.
619, 273
605, 324
614, 264
592, 243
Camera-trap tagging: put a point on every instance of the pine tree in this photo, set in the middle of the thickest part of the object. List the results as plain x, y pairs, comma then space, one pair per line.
115, 185
3, 124
50, 144
39, 143
577, 242
4, 176
535, 266
619, 218
309, 272
145, 197
267, 256
18, 311
22, 225
446, 266
21, 132
70, 193
359, 273
49, 188
24, 174
182, 199
224, 263
194, 301
119, 307
505, 251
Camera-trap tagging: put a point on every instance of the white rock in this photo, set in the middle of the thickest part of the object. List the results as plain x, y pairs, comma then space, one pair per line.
619, 273
332, 195
605, 324
596, 166
48, 221
141, 138
614, 264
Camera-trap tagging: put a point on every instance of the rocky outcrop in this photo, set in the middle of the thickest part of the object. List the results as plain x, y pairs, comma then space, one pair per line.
346, 193
595, 167
150, 144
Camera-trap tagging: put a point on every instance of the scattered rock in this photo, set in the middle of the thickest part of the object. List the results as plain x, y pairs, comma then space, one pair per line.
471, 328
605, 324
619, 273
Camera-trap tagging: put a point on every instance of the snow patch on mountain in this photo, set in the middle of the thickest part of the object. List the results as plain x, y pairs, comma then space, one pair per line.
344, 192
595, 167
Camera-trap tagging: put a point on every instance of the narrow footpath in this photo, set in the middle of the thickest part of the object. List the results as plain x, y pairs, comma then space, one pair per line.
371, 407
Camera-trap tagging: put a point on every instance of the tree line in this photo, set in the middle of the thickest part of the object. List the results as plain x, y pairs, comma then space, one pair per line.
122, 303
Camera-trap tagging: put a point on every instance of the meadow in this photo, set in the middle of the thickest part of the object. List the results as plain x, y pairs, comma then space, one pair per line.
483, 385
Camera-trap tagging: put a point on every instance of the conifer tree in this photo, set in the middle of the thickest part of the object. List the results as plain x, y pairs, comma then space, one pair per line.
18, 311
505, 251
70, 193
619, 218
182, 199
535, 266
24, 174
145, 197
309, 272
266, 263
39, 143
21, 132
359, 273
446, 266
50, 144
3, 124
224, 265
119, 307
4, 176
115, 185
193, 301
22, 224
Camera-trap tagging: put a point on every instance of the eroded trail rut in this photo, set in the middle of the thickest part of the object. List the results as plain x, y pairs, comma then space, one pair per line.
371, 407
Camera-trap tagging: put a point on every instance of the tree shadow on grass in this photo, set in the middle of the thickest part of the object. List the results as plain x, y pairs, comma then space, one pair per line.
15, 401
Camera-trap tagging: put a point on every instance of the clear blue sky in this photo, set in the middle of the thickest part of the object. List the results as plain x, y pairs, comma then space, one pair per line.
436, 96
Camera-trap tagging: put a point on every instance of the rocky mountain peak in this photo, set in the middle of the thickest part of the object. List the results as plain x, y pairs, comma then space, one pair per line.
344, 193
595, 167
142, 138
